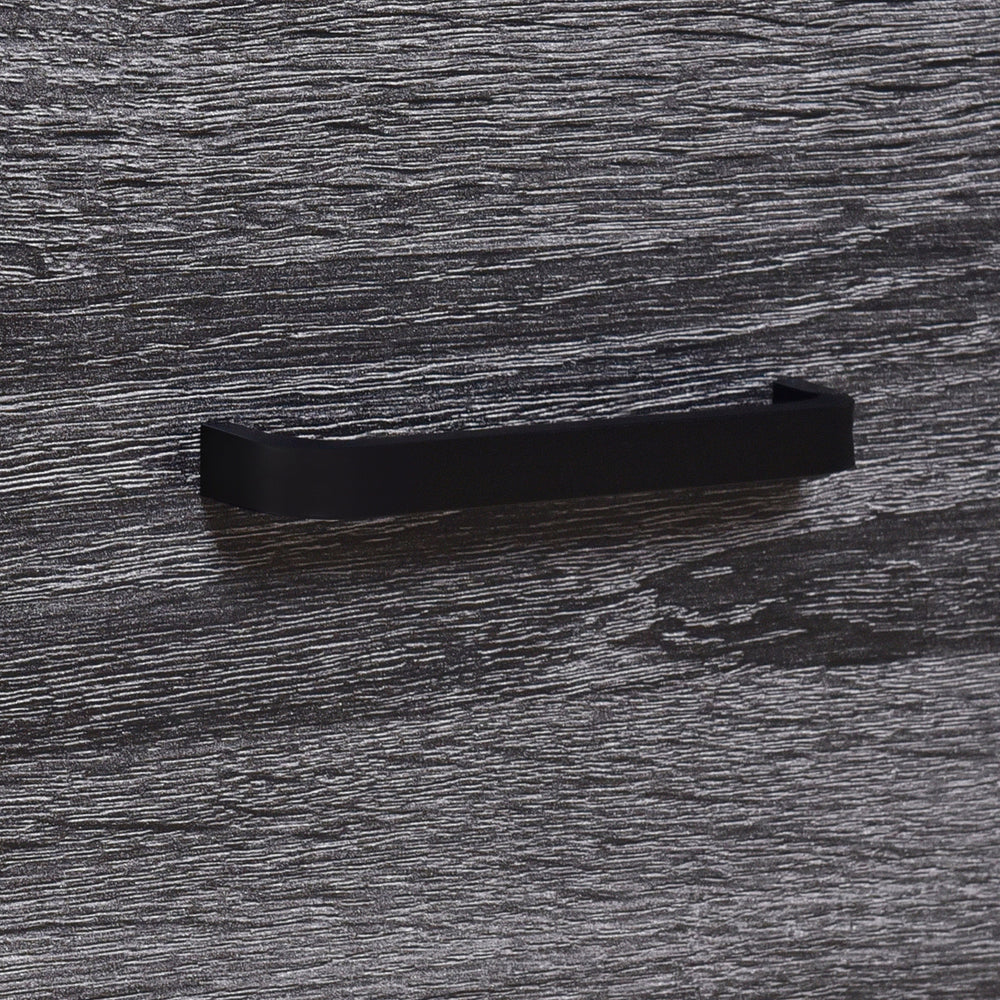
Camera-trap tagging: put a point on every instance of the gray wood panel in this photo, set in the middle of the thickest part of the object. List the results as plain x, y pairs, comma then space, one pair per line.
728, 742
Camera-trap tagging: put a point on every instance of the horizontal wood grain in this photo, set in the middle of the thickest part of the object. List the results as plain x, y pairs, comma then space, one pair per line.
731, 742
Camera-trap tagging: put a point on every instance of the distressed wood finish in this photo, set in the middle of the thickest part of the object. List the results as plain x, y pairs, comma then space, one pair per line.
732, 742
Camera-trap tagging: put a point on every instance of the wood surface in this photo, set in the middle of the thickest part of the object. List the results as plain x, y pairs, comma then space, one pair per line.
740, 742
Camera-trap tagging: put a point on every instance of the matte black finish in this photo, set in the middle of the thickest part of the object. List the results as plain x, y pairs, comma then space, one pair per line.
807, 432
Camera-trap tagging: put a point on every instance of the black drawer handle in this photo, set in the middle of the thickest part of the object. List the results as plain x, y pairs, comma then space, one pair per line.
807, 431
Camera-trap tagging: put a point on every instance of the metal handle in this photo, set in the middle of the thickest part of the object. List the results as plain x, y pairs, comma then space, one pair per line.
807, 431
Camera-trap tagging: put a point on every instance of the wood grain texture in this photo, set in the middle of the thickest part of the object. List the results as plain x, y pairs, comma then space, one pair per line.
732, 742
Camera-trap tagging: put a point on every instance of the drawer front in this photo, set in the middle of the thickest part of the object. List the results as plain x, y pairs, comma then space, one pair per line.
733, 740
